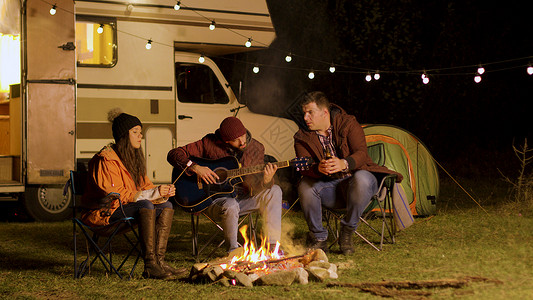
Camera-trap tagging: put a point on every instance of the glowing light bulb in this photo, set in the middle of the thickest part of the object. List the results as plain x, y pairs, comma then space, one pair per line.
149, 45
477, 79
425, 80
480, 70
332, 69
178, 5
248, 43
100, 29
288, 58
530, 70
423, 76
201, 59
377, 76
212, 26
311, 75
53, 10
368, 77
255, 69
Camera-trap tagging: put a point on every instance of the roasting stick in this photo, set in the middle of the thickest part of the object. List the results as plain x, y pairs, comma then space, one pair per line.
188, 165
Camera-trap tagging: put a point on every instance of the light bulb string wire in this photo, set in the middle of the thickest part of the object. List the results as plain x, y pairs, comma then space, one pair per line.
348, 68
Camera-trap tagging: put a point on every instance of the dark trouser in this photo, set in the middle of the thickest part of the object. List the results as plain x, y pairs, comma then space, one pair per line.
132, 209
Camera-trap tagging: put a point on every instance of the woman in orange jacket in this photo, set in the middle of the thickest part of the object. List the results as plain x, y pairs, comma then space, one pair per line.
121, 168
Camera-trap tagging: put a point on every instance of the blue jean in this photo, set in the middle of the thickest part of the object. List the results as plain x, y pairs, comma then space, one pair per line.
227, 210
352, 194
132, 209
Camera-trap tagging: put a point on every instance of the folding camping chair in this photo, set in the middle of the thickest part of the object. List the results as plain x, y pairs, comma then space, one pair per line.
195, 219
105, 252
379, 206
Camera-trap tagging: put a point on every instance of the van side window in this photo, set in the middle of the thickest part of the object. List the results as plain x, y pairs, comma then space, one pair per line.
96, 42
198, 84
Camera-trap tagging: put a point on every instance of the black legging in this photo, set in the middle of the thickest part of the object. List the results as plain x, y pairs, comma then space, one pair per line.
132, 209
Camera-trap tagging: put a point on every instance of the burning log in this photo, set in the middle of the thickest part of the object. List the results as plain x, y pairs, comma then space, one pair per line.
283, 271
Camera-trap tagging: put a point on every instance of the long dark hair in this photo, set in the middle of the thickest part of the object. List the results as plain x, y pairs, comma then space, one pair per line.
132, 158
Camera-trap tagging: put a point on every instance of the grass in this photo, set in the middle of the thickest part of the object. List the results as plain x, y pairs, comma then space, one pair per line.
460, 240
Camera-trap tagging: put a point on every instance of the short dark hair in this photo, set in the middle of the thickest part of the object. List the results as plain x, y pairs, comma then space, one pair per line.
317, 97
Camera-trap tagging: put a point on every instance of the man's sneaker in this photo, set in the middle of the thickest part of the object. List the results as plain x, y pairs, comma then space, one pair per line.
345, 240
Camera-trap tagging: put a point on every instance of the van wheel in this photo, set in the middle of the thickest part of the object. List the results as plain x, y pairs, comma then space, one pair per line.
46, 203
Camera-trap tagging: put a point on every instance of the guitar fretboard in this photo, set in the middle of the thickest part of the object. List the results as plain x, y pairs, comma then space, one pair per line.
255, 169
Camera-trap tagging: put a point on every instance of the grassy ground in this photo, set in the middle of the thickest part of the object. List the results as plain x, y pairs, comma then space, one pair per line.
462, 240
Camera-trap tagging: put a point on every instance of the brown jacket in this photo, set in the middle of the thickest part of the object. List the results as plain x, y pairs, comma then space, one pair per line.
350, 144
212, 147
108, 174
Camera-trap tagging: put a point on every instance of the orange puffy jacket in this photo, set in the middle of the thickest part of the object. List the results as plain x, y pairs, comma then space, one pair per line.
108, 174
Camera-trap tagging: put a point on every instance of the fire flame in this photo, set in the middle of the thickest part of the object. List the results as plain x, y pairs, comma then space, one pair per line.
252, 254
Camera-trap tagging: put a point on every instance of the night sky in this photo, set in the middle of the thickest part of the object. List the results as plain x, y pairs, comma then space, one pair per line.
459, 120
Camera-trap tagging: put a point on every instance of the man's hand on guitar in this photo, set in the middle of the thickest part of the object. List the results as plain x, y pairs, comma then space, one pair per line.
204, 173
331, 166
268, 172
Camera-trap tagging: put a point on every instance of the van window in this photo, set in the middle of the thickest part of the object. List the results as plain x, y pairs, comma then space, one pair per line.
96, 42
196, 83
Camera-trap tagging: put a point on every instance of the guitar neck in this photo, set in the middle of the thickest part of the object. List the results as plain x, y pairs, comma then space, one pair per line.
255, 169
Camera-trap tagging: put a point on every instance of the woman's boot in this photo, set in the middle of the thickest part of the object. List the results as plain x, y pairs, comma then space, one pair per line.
162, 227
148, 239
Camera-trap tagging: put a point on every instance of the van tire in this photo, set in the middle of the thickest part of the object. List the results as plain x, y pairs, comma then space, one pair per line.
46, 203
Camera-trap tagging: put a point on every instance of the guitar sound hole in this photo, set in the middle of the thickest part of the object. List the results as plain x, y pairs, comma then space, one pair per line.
222, 175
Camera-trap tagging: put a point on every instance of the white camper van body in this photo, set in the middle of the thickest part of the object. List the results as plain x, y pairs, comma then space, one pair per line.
63, 106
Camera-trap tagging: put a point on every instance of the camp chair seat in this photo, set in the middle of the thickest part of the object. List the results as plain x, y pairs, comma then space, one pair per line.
124, 227
376, 208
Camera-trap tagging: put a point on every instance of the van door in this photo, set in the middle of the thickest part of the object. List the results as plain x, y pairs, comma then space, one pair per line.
50, 119
158, 143
203, 98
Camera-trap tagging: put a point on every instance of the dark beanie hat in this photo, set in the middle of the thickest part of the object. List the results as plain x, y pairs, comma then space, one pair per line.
230, 129
122, 123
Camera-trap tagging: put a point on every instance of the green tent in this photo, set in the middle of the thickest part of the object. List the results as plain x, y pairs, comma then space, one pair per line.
403, 152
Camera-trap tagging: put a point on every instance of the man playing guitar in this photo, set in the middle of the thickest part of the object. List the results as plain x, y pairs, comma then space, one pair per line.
257, 192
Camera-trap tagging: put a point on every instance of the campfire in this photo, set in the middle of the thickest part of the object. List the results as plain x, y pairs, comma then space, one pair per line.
264, 266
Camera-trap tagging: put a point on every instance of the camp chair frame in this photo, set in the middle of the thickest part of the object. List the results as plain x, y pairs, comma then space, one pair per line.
92, 234
195, 219
383, 200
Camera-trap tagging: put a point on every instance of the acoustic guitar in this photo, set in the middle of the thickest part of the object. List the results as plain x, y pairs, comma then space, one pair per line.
194, 196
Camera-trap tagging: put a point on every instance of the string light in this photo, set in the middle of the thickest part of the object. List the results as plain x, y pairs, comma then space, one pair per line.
248, 43
311, 74
425, 78
256, 69
288, 58
201, 59
53, 10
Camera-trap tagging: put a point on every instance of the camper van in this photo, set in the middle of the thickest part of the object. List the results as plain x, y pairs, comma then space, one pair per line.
80, 59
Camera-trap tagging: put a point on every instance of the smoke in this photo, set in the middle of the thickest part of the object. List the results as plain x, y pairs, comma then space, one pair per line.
288, 241
303, 29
